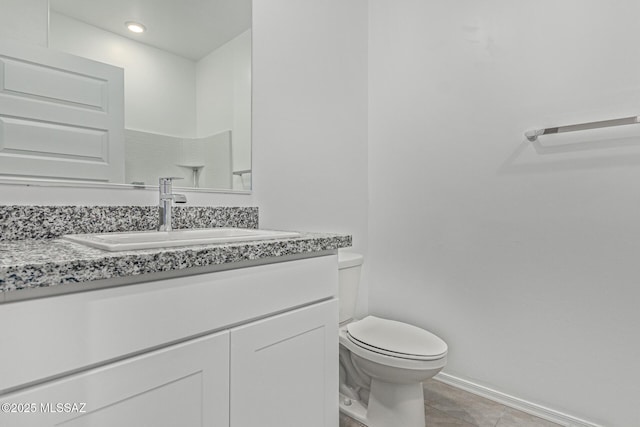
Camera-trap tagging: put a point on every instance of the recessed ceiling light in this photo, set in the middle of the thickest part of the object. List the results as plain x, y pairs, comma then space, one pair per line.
135, 27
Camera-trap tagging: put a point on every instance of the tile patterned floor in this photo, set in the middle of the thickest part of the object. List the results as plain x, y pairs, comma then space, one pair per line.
447, 406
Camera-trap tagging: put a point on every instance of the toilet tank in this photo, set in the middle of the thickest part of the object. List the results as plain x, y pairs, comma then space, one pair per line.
349, 266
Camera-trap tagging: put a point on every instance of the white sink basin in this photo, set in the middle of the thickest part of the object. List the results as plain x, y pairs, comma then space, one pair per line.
161, 239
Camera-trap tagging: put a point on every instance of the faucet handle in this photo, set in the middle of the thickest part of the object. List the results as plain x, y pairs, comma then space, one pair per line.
166, 190
164, 179
165, 184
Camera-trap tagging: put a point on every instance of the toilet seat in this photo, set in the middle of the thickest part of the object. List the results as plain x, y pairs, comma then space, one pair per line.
396, 339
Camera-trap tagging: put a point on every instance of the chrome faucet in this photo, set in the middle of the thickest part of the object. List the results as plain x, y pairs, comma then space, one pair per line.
167, 197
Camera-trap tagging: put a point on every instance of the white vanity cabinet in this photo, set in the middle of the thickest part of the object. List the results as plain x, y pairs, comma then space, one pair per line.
244, 347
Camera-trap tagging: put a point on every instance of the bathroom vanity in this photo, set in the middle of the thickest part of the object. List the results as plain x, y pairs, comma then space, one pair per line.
245, 335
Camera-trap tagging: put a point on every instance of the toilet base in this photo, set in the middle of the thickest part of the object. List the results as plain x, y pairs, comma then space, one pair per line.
389, 405
395, 405
353, 408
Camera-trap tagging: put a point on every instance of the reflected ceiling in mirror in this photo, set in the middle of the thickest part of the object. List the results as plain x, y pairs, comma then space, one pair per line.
187, 82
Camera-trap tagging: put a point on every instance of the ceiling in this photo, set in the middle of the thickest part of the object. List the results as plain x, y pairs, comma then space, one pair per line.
189, 28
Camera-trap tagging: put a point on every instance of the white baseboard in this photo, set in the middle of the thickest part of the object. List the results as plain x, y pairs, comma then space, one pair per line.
514, 402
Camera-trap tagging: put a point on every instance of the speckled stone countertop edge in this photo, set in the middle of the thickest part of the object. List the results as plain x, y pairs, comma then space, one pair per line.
56, 262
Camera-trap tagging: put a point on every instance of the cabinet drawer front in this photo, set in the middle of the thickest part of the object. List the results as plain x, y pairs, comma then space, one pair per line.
184, 385
51, 336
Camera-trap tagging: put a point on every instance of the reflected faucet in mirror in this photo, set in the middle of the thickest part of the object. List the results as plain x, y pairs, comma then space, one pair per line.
167, 197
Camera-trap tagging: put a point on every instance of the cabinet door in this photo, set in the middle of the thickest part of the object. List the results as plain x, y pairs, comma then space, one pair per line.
182, 385
284, 369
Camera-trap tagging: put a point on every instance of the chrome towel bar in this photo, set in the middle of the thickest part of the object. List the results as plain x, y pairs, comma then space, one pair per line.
533, 135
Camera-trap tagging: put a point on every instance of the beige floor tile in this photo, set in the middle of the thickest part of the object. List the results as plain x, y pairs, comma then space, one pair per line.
464, 406
513, 418
437, 418
434, 418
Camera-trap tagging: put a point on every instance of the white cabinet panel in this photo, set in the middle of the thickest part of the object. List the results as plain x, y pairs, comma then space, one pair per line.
284, 369
184, 385
54, 85
21, 136
61, 116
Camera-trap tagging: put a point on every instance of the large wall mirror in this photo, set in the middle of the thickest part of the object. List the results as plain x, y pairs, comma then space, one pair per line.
187, 83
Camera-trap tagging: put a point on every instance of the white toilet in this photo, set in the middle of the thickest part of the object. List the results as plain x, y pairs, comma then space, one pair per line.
382, 362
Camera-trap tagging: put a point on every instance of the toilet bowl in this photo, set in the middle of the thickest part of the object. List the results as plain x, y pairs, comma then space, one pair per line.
383, 364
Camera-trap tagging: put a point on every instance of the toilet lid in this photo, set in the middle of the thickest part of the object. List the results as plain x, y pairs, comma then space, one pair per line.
396, 339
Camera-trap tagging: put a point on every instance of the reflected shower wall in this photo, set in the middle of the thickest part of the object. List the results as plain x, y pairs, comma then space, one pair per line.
202, 162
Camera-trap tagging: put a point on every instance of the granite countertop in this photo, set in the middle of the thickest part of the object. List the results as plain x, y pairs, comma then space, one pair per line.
38, 263
34, 258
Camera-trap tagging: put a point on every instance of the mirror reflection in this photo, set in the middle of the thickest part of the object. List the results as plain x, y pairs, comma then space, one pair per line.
187, 82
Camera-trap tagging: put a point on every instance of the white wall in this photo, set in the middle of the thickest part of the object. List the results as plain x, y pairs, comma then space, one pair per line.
525, 262
160, 94
223, 96
310, 115
24, 20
